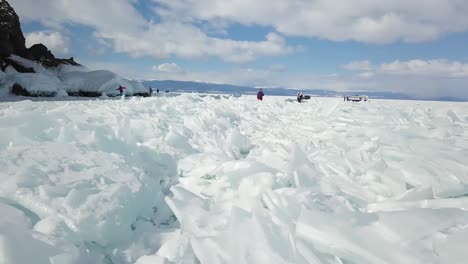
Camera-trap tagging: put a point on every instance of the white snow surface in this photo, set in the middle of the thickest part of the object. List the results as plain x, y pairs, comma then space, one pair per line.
99, 81
65, 79
220, 179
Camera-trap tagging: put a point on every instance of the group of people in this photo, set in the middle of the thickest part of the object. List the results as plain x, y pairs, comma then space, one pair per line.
300, 96
122, 88
260, 94
151, 90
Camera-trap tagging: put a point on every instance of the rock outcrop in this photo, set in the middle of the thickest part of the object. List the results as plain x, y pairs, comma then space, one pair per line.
40, 53
32, 80
19, 90
12, 41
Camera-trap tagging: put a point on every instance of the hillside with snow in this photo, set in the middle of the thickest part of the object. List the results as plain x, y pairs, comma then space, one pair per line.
223, 179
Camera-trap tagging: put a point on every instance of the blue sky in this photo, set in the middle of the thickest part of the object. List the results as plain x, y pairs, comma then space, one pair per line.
416, 48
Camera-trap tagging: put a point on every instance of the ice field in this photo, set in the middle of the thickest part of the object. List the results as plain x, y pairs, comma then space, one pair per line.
222, 179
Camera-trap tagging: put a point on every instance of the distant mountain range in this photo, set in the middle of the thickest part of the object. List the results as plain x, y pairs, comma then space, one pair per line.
200, 87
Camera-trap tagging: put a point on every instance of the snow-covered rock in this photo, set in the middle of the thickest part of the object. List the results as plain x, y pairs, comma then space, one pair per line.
37, 84
67, 79
98, 82
38, 68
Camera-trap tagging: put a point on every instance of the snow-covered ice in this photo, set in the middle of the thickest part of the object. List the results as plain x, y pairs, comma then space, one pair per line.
221, 179
59, 81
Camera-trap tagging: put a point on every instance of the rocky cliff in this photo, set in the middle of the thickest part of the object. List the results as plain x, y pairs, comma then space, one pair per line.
12, 41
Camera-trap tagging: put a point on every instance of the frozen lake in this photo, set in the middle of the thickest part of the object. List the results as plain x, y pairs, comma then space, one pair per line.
222, 179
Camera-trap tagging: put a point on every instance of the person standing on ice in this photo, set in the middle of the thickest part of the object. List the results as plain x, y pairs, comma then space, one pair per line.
150, 91
300, 97
260, 95
121, 89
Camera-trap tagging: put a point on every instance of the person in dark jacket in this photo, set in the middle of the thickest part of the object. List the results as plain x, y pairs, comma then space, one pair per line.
260, 94
300, 97
121, 89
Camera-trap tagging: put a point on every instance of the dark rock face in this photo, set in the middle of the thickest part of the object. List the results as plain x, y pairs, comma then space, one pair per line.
56, 62
142, 94
40, 51
84, 94
3, 65
19, 90
12, 40
42, 54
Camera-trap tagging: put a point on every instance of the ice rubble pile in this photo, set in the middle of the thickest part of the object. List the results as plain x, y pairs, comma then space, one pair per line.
76, 171
66, 79
326, 183
250, 182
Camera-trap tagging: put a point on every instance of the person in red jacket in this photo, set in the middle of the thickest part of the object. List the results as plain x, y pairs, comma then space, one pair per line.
260, 94
121, 89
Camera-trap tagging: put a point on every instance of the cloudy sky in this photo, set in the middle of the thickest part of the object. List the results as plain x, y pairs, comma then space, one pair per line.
418, 47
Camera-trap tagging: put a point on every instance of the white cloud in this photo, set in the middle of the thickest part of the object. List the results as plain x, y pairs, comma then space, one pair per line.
102, 15
435, 68
364, 65
366, 74
416, 67
55, 41
420, 78
278, 68
383, 21
123, 70
181, 30
168, 39
129, 32
168, 67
